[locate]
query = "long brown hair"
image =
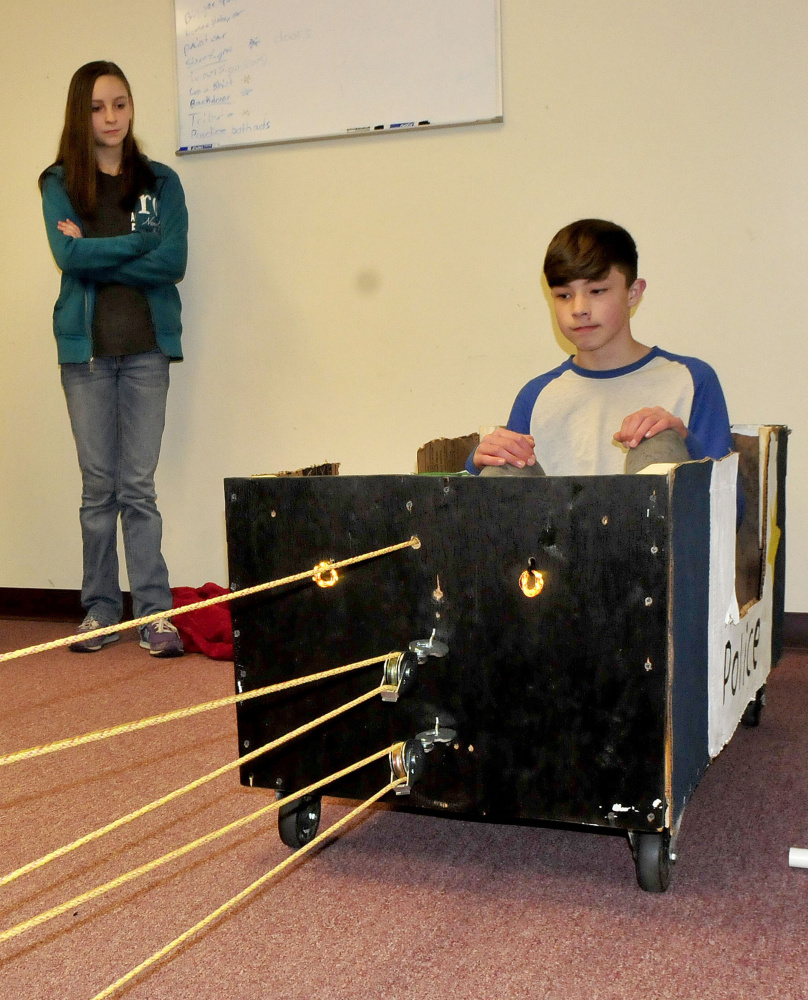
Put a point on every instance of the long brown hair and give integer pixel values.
(76, 153)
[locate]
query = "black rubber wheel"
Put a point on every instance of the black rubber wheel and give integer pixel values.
(653, 861)
(751, 714)
(298, 822)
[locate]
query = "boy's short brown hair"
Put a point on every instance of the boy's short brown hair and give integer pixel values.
(589, 249)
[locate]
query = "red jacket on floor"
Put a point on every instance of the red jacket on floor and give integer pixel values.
(207, 630)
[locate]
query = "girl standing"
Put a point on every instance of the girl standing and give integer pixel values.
(118, 229)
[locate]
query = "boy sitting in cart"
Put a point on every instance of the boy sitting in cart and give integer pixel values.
(616, 405)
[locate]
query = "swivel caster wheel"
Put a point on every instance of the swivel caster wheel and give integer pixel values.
(298, 821)
(751, 714)
(653, 860)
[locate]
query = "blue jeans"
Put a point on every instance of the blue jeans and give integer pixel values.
(117, 408)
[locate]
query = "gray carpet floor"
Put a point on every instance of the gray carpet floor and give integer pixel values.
(399, 906)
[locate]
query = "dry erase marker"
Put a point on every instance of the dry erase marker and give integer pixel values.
(403, 125)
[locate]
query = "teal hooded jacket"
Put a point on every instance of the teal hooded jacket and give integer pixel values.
(151, 257)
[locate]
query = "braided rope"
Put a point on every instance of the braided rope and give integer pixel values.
(220, 911)
(198, 782)
(181, 713)
(149, 866)
(310, 574)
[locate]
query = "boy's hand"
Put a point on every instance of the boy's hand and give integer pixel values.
(504, 447)
(647, 422)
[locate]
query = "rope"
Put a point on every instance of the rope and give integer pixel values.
(198, 782)
(181, 713)
(309, 574)
(153, 959)
(179, 852)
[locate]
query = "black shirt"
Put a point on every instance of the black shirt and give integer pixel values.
(122, 321)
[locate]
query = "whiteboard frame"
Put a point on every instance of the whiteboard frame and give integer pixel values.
(349, 133)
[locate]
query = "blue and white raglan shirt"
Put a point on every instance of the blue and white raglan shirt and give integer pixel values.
(572, 412)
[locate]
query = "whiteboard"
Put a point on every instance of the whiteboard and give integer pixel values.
(267, 71)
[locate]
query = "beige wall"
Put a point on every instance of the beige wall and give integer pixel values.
(348, 300)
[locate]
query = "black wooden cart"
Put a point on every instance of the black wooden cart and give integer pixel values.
(586, 703)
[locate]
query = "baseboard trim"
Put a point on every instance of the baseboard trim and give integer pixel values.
(46, 605)
(795, 630)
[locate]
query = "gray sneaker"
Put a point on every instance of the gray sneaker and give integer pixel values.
(90, 624)
(161, 638)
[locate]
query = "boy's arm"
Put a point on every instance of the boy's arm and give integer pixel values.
(707, 434)
(504, 447)
(647, 422)
(510, 445)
